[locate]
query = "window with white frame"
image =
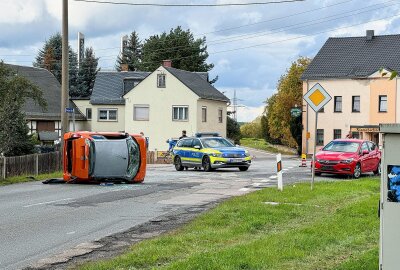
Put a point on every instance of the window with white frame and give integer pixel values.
(180, 113)
(32, 127)
(141, 112)
(220, 117)
(355, 104)
(161, 80)
(89, 113)
(204, 114)
(107, 115)
(57, 127)
(383, 103)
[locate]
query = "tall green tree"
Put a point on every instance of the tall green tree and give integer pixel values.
(50, 57)
(290, 93)
(87, 74)
(233, 130)
(132, 54)
(178, 45)
(14, 90)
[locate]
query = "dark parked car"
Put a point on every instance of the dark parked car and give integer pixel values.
(348, 157)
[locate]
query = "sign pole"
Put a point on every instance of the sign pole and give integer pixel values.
(314, 151)
(279, 171)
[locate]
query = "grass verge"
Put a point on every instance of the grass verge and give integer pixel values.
(262, 145)
(29, 178)
(335, 226)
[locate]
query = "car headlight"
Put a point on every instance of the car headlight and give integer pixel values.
(216, 154)
(347, 161)
(246, 153)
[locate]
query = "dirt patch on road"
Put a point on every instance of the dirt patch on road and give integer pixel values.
(116, 244)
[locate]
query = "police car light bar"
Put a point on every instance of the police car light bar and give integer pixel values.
(206, 134)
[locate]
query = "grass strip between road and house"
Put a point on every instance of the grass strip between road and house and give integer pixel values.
(261, 144)
(335, 226)
(29, 178)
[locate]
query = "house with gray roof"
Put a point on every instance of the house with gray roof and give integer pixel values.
(105, 108)
(161, 104)
(170, 100)
(46, 121)
(354, 71)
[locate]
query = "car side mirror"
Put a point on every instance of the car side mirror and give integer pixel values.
(197, 147)
(365, 152)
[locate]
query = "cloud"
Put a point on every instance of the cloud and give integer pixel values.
(248, 114)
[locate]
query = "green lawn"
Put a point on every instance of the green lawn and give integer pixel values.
(27, 178)
(262, 145)
(335, 227)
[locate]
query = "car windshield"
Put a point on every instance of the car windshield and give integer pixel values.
(342, 146)
(216, 142)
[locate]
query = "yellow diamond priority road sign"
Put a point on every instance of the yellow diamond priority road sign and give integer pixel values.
(317, 97)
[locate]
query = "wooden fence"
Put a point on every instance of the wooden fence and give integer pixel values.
(45, 163)
(30, 164)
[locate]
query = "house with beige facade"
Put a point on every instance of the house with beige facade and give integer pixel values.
(355, 72)
(161, 104)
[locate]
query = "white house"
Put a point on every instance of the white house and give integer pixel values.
(161, 104)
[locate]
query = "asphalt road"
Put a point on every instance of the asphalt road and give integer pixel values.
(40, 221)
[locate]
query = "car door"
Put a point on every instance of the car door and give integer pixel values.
(196, 152)
(375, 155)
(365, 158)
(186, 149)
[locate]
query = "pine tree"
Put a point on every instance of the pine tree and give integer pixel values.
(86, 75)
(50, 57)
(179, 46)
(132, 54)
(14, 90)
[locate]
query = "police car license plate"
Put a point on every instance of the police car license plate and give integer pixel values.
(234, 160)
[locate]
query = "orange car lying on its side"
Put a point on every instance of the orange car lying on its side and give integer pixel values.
(99, 156)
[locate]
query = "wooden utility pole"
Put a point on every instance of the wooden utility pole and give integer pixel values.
(64, 72)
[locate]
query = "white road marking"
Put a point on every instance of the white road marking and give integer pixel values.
(265, 180)
(244, 189)
(71, 232)
(273, 177)
(257, 184)
(290, 167)
(35, 204)
(285, 169)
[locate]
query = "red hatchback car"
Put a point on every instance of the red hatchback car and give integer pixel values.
(349, 157)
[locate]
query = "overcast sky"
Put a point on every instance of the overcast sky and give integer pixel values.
(251, 46)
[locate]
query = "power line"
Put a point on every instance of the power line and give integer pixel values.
(283, 40)
(272, 31)
(236, 27)
(190, 5)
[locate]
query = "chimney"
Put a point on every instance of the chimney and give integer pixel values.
(124, 67)
(167, 63)
(370, 34)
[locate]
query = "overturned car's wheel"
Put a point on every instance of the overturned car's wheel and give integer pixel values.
(178, 164)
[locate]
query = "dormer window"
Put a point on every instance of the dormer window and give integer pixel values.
(161, 80)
